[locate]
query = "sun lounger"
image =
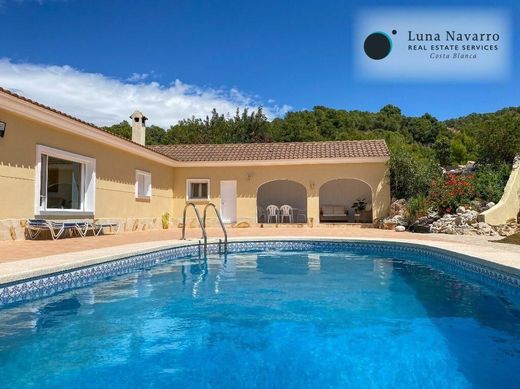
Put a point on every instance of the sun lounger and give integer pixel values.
(35, 227)
(56, 229)
(98, 226)
(80, 226)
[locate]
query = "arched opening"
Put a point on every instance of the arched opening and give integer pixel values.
(345, 200)
(272, 195)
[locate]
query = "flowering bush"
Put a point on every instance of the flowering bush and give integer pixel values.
(452, 191)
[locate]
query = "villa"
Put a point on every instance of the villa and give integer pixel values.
(55, 166)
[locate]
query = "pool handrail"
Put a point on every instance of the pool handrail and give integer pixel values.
(201, 224)
(220, 222)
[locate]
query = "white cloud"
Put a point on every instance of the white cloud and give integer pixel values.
(136, 77)
(103, 100)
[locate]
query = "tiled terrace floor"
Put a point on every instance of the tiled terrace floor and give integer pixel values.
(18, 250)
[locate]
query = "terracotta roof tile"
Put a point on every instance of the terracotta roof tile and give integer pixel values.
(274, 151)
(247, 151)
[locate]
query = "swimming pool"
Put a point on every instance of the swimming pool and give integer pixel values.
(307, 315)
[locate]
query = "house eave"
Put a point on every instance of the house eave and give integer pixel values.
(62, 123)
(284, 162)
(66, 124)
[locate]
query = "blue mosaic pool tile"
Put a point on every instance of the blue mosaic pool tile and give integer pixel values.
(452, 262)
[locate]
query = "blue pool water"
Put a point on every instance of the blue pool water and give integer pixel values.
(268, 320)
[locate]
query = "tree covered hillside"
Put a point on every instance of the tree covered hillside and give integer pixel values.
(487, 137)
(419, 145)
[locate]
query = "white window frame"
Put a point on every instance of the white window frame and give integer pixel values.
(190, 181)
(88, 181)
(148, 183)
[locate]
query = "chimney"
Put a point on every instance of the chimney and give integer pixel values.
(138, 127)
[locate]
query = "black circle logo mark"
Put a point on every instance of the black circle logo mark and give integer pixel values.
(378, 45)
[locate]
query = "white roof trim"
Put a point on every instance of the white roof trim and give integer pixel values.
(63, 123)
(281, 162)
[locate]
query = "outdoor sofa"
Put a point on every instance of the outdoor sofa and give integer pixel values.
(333, 213)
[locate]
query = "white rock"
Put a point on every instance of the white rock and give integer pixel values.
(450, 230)
(490, 205)
(390, 223)
(400, 229)
(397, 208)
(506, 229)
(468, 217)
(516, 162)
(460, 210)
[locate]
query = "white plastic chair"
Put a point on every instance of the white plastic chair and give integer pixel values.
(262, 214)
(301, 214)
(286, 211)
(272, 211)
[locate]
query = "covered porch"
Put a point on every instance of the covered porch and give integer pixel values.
(281, 201)
(345, 200)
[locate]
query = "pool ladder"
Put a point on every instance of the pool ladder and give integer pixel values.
(202, 224)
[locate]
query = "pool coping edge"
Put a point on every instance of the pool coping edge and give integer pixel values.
(23, 270)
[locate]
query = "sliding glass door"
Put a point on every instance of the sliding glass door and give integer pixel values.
(61, 184)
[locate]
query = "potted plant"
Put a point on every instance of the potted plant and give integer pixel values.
(359, 205)
(165, 220)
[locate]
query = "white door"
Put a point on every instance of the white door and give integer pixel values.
(228, 201)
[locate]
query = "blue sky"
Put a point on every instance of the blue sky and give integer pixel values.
(195, 54)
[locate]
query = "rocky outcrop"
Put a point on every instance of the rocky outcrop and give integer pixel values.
(423, 224)
(397, 208)
(390, 223)
(507, 229)
(396, 216)
(445, 225)
(466, 217)
(463, 223)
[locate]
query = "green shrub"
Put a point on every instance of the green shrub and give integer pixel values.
(459, 153)
(490, 181)
(411, 171)
(442, 147)
(499, 138)
(417, 207)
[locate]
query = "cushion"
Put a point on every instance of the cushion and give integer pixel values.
(339, 211)
(327, 210)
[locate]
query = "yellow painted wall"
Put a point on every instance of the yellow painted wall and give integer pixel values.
(115, 170)
(312, 177)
